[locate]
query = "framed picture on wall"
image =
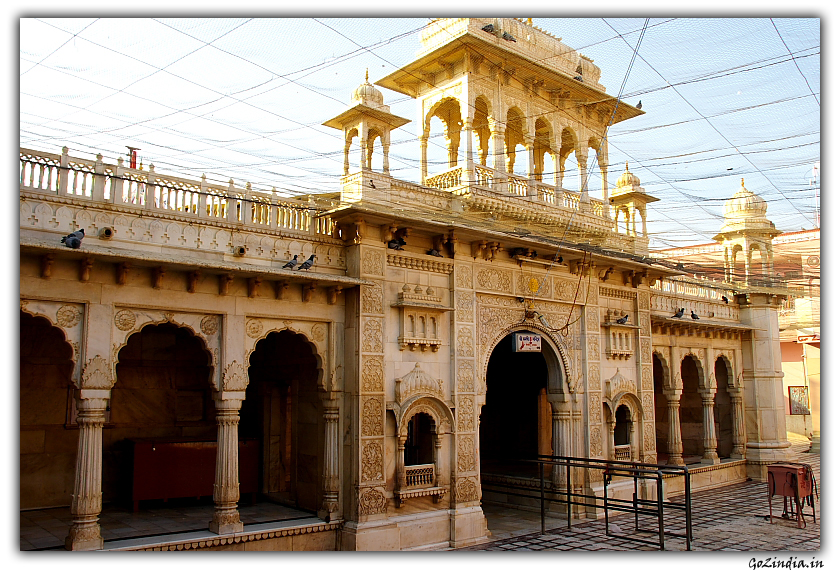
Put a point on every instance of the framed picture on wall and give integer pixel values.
(798, 400)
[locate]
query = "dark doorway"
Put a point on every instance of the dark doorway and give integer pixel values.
(723, 410)
(420, 443)
(283, 411)
(691, 411)
(48, 435)
(660, 409)
(516, 418)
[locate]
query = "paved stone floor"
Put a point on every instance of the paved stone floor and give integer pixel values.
(730, 518)
(46, 529)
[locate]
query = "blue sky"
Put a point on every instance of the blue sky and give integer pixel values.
(244, 98)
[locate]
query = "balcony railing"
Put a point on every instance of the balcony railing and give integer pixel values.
(146, 190)
(417, 476)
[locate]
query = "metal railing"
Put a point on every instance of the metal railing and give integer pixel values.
(568, 470)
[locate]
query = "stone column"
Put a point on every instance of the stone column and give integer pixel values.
(532, 180)
(386, 147)
(86, 500)
(634, 455)
(347, 143)
(709, 437)
(331, 458)
(675, 447)
(560, 419)
(424, 154)
(401, 462)
(739, 436)
(611, 439)
(438, 444)
(226, 488)
(497, 134)
(558, 177)
(581, 154)
(468, 176)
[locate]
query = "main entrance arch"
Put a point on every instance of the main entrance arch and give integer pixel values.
(516, 419)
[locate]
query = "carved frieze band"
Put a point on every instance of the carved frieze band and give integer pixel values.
(419, 264)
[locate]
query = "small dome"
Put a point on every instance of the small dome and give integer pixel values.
(367, 93)
(628, 178)
(745, 204)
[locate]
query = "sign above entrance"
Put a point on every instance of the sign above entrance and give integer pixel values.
(527, 342)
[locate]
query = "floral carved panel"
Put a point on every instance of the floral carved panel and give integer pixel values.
(372, 460)
(373, 373)
(372, 336)
(372, 412)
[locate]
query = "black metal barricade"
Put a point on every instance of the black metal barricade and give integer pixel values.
(644, 507)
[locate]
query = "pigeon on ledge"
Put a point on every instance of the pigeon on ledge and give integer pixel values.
(371, 184)
(434, 252)
(291, 263)
(679, 314)
(725, 299)
(489, 28)
(308, 263)
(623, 320)
(695, 316)
(639, 105)
(508, 37)
(74, 240)
(396, 243)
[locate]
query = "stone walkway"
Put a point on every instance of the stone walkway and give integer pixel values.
(730, 518)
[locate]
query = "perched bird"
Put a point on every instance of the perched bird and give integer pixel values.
(308, 263)
(396, 243)
(623, 320)
(695, 316)
(639, 105)
(371, 184)
(74, 240)
(679, 314)
(489, 28)
(508, 37)
(291, 263)
(725, 299)
(434, 252)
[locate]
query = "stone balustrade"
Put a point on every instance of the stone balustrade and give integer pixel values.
(146, 192)
(419, 475)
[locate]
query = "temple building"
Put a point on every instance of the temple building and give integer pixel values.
(445, 328)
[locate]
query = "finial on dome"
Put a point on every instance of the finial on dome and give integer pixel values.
(742, 184)
(627, 166)
(366, 75)
(530, 21)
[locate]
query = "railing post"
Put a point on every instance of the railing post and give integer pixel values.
(63, 171)
(660, 505)
(201, 211)
(542, 496)
(568, 494)
(248, 206)
(606, 502)
(688, 533)
(151, 192)
(230, 208)
(117, 182)
(97, 193)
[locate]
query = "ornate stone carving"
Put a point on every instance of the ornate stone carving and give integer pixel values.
(463, 276)
(372, 416)
(647, 377)
(595, 407)
(319, 332)
(592, 319)
(466, 490)
(253, 328)
(595, 442)
(464, 306)
(373, 373)
(125, 320)
(644, 301)
(644, 324)
(465, 413)
(372, 455)
(593, 344)
(466, 376)
(465, 342)
(647, 406)
(646, 354)
(466, 453)
(209, 325)
(68, 316)
(494, 279)
(372, 501)
(372, 298)
(97, 374)
(650, 436)
(618, 384)
(419, 264)
(594, 377)
(417, 382)
(372, 336)
(564, 289)
(235, 378)
(372, 263)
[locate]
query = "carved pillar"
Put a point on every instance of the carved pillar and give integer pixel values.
(497, 134)
(675, 447)
(86, 500)
(348, 141)
(226, 488)
(363, 144)
(634, 455)
(709, 437)
(424, 153)
(581, 154)
(611, 439)
(532, 179)
(386, 147)
(558, 177)
(438, 444)
(401, 462)
(739, 434)
(331, 458)
(560, 419)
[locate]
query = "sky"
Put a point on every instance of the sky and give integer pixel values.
(725, 99)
